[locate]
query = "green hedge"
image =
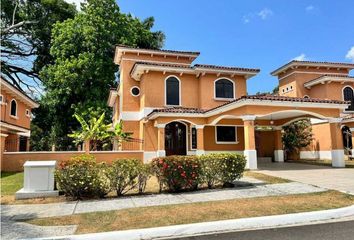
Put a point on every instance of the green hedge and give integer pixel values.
(82, 177)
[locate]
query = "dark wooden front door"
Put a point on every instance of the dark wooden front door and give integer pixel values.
(175, 139)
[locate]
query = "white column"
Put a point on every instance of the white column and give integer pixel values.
(337, 150)
(160, 140)
(200, 140)
(250, 143)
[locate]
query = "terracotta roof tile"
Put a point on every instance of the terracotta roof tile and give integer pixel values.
(226, 68)
(330, 75)
(159, 50)
(253, 97)
(315, 63)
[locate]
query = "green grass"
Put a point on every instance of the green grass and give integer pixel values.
(11, 182)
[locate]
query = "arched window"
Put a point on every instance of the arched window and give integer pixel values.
(172, 89)
(306, 96)
(224, 88)
(348, 95)
(13, 109)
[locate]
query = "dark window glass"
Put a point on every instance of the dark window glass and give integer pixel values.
(194, 138)
(172, 91)
(135, 91)
(226, 134)
(13, 108)
(349, 96)
(224, 89)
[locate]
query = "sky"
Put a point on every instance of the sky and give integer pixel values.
(254, 33)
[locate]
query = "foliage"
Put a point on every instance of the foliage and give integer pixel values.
(144, 175)
(177, 173)
(232, 166)
(119, 135)
(124, 175)
(82, 177)
(210, 166)
(26, 38)
(95, 130)
(83, 69)
(297, 135)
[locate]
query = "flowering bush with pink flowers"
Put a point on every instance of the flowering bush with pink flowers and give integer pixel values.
(177, 173)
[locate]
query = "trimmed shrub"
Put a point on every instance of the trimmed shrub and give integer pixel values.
(221, 168)
(177, 173)
(82, 177)
(124, 175)
(143, 177)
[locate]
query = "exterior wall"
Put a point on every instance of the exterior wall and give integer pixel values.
(265, 143)
(333, 90)
(21, 120)
(298, 76)
(13, 162)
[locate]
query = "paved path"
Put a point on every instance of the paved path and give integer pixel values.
(341, 179)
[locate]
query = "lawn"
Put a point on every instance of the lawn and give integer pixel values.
(11, 182)
(198, 212)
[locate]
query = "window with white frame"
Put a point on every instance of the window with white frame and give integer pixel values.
(226, 134)
(28, 113)
(224, 88)
(348, 95)
(193, 138)
(13, 108)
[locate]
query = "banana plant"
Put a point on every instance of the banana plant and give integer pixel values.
(119, 135)
(92, 131)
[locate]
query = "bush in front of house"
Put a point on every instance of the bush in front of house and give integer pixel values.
(177, 173)
(221, 168)
(127, 174)
(82, 177)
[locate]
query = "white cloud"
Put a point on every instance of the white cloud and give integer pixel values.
(265, 13)
(309, 8)
(350, 54)
(76, 2)
(301, 57)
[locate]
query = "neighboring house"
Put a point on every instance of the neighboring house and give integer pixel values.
(321, 80)
(16, 109)
(178, 108)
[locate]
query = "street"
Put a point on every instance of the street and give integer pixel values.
(325, 231)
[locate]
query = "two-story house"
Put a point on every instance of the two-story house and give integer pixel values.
(321, 80)
(180, 108)
(15, 107)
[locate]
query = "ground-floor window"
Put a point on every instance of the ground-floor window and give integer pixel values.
(193, 138)
(226, 134)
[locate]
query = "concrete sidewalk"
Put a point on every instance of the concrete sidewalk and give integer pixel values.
(30, 211)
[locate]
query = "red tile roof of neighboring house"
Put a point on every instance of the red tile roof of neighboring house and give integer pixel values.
(312, 63)
(159, 50)
(249, 97)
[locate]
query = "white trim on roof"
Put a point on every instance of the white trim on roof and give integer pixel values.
(323, 79)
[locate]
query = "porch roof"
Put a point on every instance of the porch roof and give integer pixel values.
(269, 100)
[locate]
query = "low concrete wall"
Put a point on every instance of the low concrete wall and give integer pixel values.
(13, 161)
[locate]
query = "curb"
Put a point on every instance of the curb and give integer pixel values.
(185, 230)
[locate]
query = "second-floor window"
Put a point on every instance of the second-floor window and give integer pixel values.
(348, 95)
(224, 88)
(13, 109)
(172, 88)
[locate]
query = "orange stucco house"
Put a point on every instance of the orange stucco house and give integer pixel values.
(181, 108)
(15, 107)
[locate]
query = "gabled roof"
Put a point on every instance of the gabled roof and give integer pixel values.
(266, 100)
(140, 67)
(328, 77)
(19, 92)
(120, 49)
(294, 63)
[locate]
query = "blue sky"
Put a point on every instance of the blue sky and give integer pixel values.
(254, 33)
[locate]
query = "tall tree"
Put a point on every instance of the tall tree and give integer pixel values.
(83, 68)
(25, 38)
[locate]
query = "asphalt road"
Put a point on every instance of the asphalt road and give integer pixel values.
(325, 231)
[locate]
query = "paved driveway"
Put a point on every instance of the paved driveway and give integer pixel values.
(341, 179)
